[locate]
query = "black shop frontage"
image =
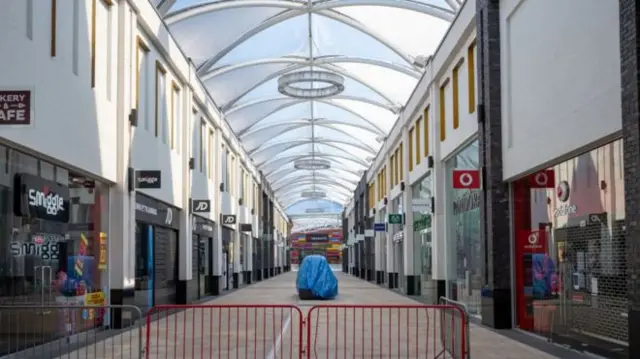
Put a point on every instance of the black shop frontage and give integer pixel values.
(203, 242)
(156, 240)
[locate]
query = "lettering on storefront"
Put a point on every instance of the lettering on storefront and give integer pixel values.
(146, 209)
(423, 222)
(15, 107)
(533, 242)
(565, 210)
(41, 198)
(466, 203)
(46, 251)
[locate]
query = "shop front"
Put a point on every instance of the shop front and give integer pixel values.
(156, 256)
(255, 269)
(570, 259)
(228, 235)
(245, 256)
(464, 245)
(203, 240)
(53, 228)
(421, 206)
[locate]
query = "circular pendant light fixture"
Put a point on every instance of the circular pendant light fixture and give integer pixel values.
(313, 194)
(291, 84)
(312, 164)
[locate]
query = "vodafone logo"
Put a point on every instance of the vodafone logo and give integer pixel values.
(533, 238)
(541, 179)
(563, 191)
(466, 179)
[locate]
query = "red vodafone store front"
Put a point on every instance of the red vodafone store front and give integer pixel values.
(570, 259)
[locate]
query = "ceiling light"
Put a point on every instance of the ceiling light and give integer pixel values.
(313, 194)
(289, 84)
(312, 164)
(314, 210)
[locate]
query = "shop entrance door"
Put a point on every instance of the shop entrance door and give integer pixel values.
(44, 283)
(534, 276)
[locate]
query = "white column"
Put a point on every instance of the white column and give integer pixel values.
(439, 234)
(217, 207)
(185, 269)
(378, 238)
(121, 240)
(389, 244)
(407, 242)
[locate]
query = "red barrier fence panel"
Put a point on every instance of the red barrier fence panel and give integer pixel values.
(224, 331)
(385, 331)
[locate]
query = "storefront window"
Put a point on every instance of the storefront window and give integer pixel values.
(421, 207)
(570, 250)
(464, 253)
(53, 230)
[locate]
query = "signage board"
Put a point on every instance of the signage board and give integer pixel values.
(148, 179)
(379, 227)
(422, 205)
(369, 233)
(245, 227)
(15, 107)
(200, 205)
(317, 237)
(229, 219)
(155, 212)
(39, 198)
(395, 218)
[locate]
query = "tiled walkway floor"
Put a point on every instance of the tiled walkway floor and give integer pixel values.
(265, 320)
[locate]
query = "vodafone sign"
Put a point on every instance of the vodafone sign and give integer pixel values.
(543, 179)
(469, 179)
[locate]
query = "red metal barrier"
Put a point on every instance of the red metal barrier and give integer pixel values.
(385, 331)
(224, 331)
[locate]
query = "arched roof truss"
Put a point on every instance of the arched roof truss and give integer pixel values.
(378, 50)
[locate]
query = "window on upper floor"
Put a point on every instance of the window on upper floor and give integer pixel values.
(401, 164)
(211, 155)
(411, 132)
(242, 183)
(101, 44)
(455, 93)
(443, 110)
(142, 83)
(203, 146)
(174, 122)
(418, 141)
(160, 126)
(471, 76)
(224, 167)
(232, 176)
(425, 133)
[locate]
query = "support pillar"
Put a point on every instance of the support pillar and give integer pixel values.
(630, 76)
(494, 208)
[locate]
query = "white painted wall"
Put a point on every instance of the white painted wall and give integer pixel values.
(71, 121)
(561, 81)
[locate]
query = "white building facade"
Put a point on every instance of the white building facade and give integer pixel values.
(118, 176)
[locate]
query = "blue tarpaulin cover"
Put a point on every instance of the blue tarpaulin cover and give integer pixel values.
(315, 275)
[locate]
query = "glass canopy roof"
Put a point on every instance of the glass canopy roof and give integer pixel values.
(374, 51)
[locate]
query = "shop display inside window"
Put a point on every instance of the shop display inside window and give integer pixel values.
(570, 250)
